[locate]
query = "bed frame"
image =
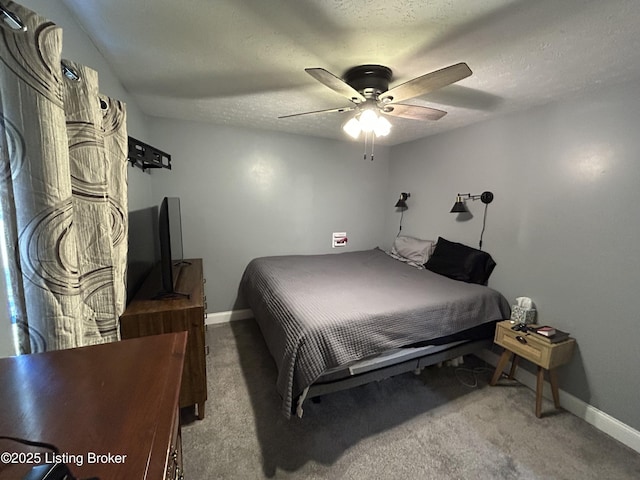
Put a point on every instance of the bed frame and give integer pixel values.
(416, 364)
(307, 356)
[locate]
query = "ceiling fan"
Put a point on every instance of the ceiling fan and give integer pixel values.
(367, 87)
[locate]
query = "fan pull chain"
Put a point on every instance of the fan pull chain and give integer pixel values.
(366, 142)
(373, 144)
(366, 137)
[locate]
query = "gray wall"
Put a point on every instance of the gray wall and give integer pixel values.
(249, 193)
(563, 227)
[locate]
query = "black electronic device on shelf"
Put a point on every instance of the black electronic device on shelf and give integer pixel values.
(155, 248)
(171, 251)
(143, 247)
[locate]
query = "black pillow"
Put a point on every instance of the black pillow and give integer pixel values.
(460, 262)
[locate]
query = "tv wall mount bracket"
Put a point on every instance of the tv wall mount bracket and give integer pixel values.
(146, 157)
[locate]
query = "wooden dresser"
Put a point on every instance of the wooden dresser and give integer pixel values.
(110, 409)
(148, 316)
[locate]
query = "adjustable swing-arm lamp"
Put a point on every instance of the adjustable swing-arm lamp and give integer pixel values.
(402, 201)
(460, 207)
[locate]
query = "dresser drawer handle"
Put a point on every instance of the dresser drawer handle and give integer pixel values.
(521, 339)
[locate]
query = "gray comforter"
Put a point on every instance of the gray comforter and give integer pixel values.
(320, 311)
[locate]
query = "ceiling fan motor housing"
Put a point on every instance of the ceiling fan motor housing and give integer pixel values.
(367, 87)
(370, 80)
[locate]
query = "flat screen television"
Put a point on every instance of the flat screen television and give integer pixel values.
(144, 248)
(171, 252)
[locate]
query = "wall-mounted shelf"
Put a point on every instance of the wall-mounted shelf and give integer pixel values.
(145, 156)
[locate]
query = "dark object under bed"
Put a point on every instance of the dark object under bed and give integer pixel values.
(325, 317)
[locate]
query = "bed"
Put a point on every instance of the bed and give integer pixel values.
(338, 320)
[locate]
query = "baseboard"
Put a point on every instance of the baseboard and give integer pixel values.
(229, 316)
(590, 414)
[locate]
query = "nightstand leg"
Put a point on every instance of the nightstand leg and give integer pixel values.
(514, 365)
(501, 364)
(539, 386)
(553, 379)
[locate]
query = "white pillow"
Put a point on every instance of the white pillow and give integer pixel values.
(413, 249)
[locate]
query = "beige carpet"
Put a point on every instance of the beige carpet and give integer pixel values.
(431, 426)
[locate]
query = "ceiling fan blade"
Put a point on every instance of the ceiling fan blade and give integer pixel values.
(426, 83)
(413, 112)
(336, 84)
(330, 110)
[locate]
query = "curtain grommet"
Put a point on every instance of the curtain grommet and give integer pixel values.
(12, 20)
(69, 72)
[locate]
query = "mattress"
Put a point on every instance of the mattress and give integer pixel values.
(320, 312)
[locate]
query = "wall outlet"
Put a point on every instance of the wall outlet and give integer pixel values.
(339, 239)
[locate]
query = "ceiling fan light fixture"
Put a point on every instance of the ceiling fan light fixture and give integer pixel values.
(352, 128)
(382, 127)
(368, 120)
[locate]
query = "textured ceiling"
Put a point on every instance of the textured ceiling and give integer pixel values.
(241, 62)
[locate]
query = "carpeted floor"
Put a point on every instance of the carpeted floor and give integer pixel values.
(431, 426)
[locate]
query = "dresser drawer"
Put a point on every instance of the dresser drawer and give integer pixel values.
(174, 462)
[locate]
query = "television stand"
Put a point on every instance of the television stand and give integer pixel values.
(171, 296)
(148, 315)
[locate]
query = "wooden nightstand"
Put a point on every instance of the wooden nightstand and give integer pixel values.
(536, 349)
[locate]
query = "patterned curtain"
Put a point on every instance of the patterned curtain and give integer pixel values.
(63, 188)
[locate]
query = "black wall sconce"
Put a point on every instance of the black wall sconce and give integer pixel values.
(402, 201)
(402, 205)
(461, 207)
